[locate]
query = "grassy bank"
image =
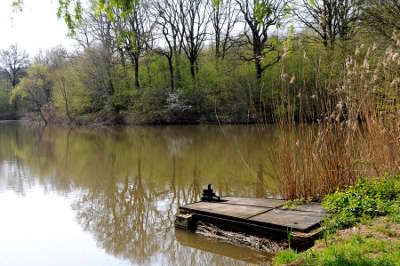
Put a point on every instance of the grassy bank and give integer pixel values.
(374, 243)
(363, 227)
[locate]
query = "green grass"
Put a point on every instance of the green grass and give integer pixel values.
(358, 250)
(287, 256)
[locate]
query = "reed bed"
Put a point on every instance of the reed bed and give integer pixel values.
(358, 135)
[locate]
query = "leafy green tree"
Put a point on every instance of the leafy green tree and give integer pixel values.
(5, 107)
(35, 90)
(71, 10)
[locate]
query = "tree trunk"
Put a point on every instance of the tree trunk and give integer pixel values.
(257, 52)
(259, 71)
(178, 76)
(193, 70)
(217, 45)
(67, 110)
(109, 80)
(136, 63)
(171, 73)
(42, 116)
(16, 105)
(14, 84)
(148, 69)
(110, 87)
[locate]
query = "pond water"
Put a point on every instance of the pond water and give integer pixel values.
(109, 196)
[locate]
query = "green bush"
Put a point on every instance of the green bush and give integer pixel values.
(367, 199)
(4, 101)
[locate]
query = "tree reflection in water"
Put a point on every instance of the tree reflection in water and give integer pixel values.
(128, 183)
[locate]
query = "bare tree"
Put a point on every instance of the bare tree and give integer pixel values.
(14, 62)
(329, 19)
(134, 32)
(82, 32)
(102, 31)
(260, 16)
(62, 87)
(97, 31)
(224, 15)
(168, 20)
(381, 16)
(195, 21)
(53, 58)
(57, 62)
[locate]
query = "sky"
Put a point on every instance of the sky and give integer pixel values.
(35, 28)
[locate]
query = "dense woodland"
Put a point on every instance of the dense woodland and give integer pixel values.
(191, 61)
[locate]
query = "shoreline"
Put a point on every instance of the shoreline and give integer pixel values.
(86, 123)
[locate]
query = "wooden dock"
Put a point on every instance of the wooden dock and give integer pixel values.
(260, 217)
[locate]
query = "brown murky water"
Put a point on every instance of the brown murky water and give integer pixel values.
(109, 196)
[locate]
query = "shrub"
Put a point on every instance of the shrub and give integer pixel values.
(366, 199)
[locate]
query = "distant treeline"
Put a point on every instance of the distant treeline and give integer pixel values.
(191, 61)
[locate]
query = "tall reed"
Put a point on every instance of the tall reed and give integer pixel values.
(357, 136)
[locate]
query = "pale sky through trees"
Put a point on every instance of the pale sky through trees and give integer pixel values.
(35, 28)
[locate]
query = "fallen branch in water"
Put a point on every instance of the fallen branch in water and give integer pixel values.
(262, 244)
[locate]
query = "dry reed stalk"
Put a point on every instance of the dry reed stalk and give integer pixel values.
(359, 137)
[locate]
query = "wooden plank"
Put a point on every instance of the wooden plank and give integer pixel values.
(264, 212)
(267, 203)
(298, 220)
(236, 211)
(315, 208)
